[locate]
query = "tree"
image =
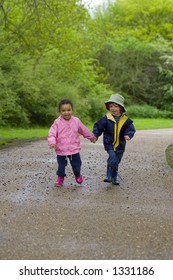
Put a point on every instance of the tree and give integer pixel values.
(51, 41)
(145, 20)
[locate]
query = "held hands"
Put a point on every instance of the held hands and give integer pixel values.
(126, 137)
(94, 139)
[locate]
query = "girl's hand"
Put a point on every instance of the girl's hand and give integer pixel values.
(126, 137)
(52, 146)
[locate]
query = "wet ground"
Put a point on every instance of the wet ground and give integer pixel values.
(96, 220)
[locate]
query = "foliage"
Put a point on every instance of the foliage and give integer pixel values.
(137, 51)
(44, 57)
(144, 20)
(30, 95)
(139, 69)
(41, 25)
(166, 81)
(147, 111)
(54, 49)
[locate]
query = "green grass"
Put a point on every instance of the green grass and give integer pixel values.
(9, 136)
(141, 124)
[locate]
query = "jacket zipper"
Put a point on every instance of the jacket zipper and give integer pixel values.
(116, 133)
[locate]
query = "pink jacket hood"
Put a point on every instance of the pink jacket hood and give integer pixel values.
(65, 135)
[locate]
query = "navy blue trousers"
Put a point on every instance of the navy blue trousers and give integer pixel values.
(75, 162)
(114, 160)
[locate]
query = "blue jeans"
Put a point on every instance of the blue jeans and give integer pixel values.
(114, 160)
(75, 162)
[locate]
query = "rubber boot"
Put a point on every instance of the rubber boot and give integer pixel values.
(115, 180)
(108, 176)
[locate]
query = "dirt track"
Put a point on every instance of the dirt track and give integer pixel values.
(96, 220)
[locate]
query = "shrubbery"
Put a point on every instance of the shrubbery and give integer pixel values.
(147, 111)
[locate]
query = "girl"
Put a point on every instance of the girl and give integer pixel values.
(117, 128)
(63, 136)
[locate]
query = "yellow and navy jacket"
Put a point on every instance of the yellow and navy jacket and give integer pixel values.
(113, 133)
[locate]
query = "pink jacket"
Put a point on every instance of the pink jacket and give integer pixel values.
(65, 135)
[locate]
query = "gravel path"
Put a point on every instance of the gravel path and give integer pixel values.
(96, 220)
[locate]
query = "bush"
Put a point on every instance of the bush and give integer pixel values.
(147, 111)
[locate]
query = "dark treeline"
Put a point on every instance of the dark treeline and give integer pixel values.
(55, 49)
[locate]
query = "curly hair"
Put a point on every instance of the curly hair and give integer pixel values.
(64, 101)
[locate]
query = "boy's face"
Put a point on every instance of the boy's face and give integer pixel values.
(66, 111)
(115, 109)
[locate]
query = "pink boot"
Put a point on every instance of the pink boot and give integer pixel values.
(59, 181)
(79, 179)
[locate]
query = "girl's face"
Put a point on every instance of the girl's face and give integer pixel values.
(115, 109)
(66, 111)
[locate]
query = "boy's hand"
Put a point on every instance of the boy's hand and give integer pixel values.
(126, 137)
(52, 146)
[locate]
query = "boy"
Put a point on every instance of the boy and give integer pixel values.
(117, 128)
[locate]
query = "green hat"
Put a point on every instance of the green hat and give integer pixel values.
(116, 98)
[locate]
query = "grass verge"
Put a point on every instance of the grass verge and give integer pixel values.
(15, 136)
(141, 124)
(169, 155)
